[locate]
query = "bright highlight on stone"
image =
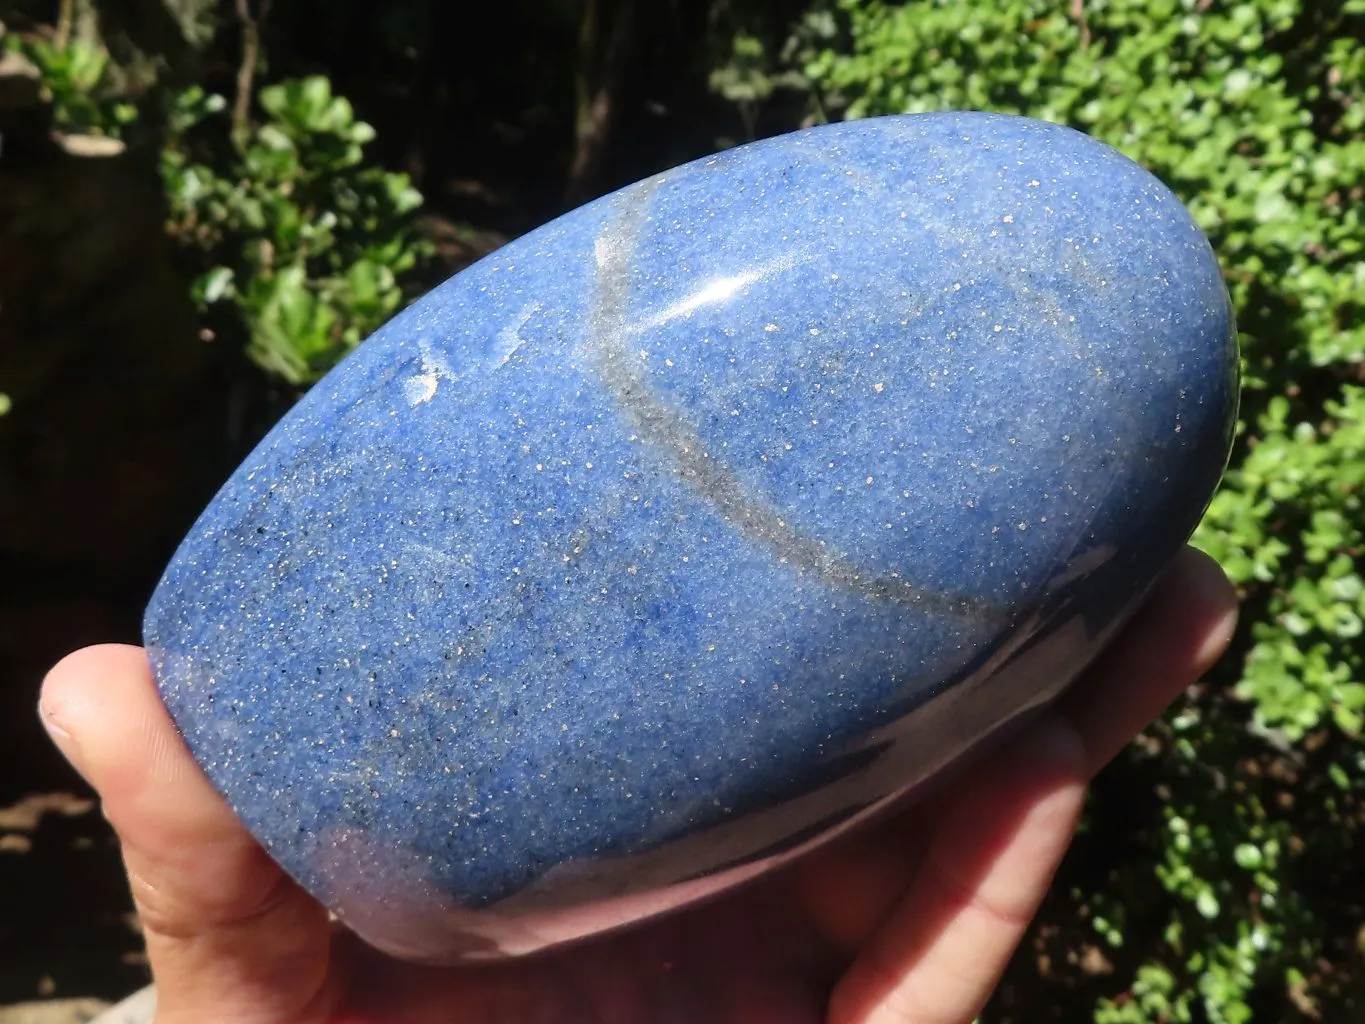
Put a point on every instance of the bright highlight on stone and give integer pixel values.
(697, 525)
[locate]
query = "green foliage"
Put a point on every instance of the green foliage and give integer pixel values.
(749, 74)
(761, 60)
(1253, 111)
(1291, 520)
(75, 76)
(305, 244)
(301, 247)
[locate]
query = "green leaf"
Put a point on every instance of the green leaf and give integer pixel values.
(216, 285)
(1207, 904)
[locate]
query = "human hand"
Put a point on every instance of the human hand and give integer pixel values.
(912, 921)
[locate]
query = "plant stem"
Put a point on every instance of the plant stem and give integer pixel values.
(1078, 13)
(601, 56)
(246, 71)
(66, 18)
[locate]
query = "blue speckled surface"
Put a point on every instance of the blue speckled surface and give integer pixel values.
(699, 521)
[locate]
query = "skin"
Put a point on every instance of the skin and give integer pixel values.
(912, 922)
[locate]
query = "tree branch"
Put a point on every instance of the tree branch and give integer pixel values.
(600, 65)
(1078, 12)
(66, 21)
(246, 71)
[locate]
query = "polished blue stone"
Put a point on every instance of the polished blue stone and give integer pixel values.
(700, 522)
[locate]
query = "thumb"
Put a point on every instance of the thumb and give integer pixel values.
(229, 936)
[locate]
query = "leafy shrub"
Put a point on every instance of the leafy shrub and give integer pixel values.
(306, 244)
(301, 247)
(75, 76)
(1253, 112)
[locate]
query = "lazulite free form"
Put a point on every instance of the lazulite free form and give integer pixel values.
(700, 524)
